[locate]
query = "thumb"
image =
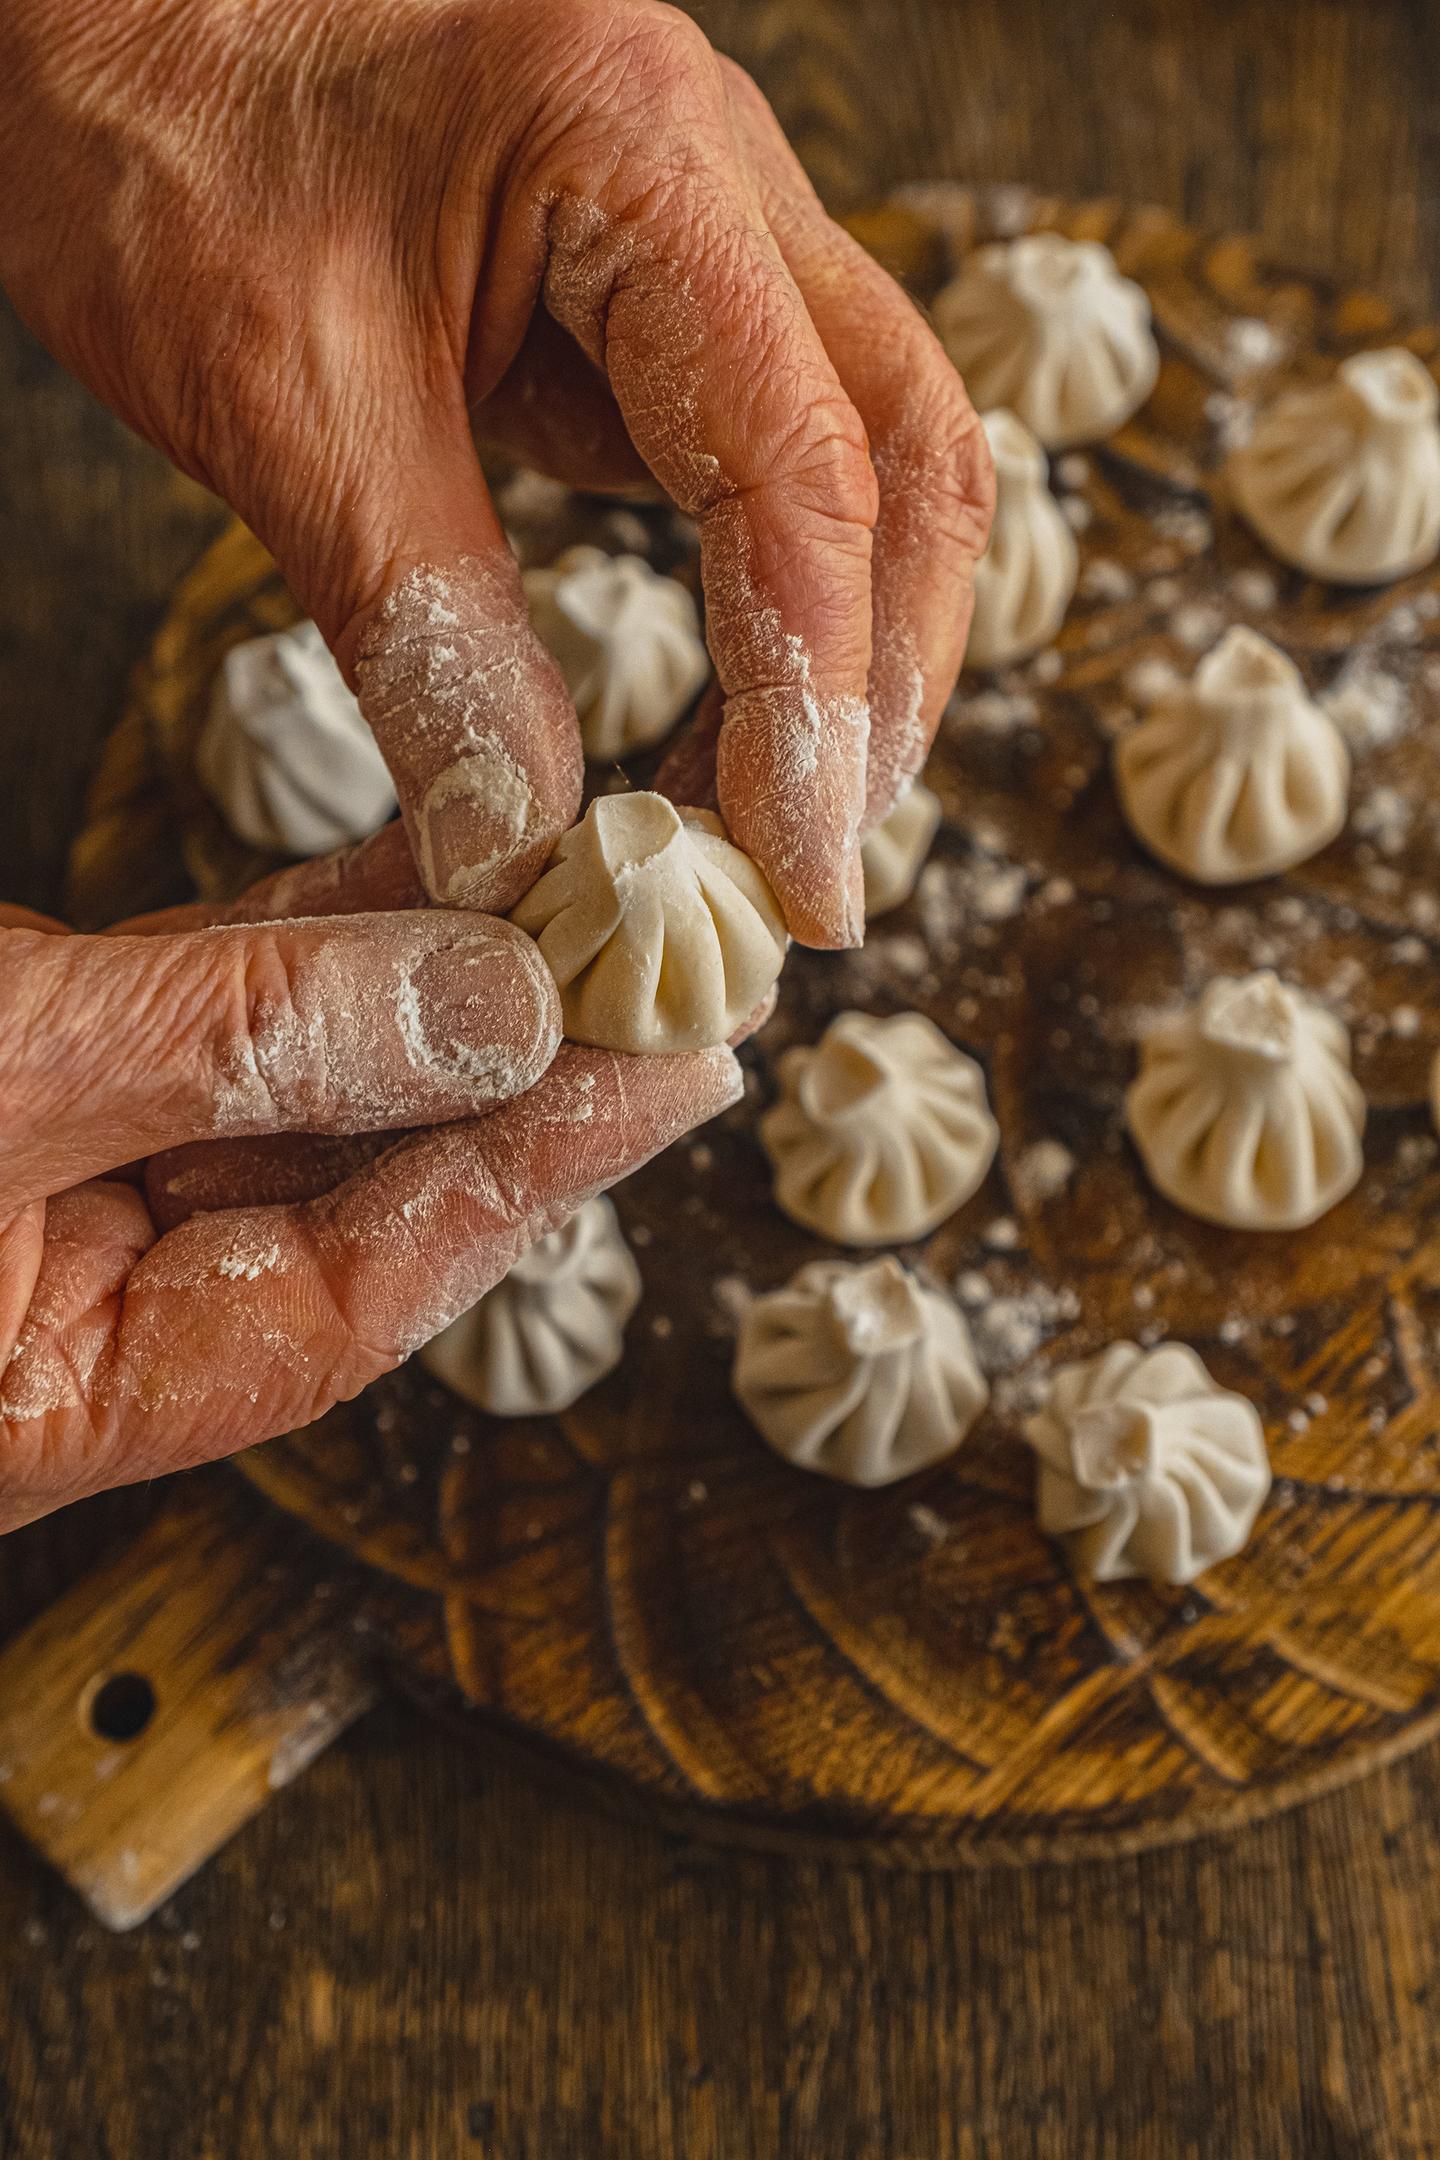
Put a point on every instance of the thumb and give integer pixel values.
(389, 539)
(116, 1047)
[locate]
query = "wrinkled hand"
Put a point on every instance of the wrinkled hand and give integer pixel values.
(293, 242)
(239, 1286)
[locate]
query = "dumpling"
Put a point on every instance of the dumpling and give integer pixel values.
(1343, 480)
(628, 643)
(1025, 580)
(893, 855)
(284, 752)
(1245, 1111)
(1048, 327)
(881, 1131)
(1238, 774)
(551, 1329)
(659, 933)
(1147, 1466)
(859, 1372)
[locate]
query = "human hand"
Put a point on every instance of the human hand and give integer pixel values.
(238, 1287)
(292, 243)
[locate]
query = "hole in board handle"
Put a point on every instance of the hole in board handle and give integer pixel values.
(119, 1707)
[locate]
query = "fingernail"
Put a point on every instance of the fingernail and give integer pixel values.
(481, 836)
(482, 1014)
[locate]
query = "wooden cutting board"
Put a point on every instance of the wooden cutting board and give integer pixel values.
(639, 1591)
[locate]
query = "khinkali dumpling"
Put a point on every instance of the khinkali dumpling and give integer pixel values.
(881, 1130)
(628, 643)
(893, 855)
(1245, 1111)
(552, 1328)
(284, 752)
(859, 1372)
(1147, 1466)
(1049, 328)
(659, 933)
(1343, 480)
(1237, 774)
(1025, 580)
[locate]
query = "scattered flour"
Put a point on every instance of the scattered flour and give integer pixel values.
(1370, 706)
(1042, 1172)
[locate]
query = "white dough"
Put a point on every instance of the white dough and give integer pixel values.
(1343, 480)
(628, 643)
(1237, 774)
(858, 1372)
(284, 752)
(1245, 1111)
(881, 1131)
(661, 935)
(551, 1329)
(1050, 329)
(1025, 580)
(1147, 1466)
(893, 855)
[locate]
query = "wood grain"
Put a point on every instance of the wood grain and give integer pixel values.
(398, 1955)
(158, 1706)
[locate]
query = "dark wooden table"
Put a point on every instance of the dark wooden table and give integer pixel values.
(419, 1952)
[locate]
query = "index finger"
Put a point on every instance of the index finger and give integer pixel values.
(671, 281)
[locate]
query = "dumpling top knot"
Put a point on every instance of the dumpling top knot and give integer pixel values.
(1049, 327)
(661, 935)
(1343, 479)
(1238, 774)
(285, 754)
(628, 643)
(1245, 1111)
(881, 1131)
(1147, 1466)
(859, 1372)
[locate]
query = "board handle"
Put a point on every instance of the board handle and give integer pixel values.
(156, 1706)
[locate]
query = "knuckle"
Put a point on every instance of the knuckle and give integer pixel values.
(830, 470)
(268, 1057)
(937, 456)
(673, 41)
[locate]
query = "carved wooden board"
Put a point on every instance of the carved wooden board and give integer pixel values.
(640, 1589)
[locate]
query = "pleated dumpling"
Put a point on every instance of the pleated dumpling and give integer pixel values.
(551, 1329)
(1049, 328)
(881, 1131)
(1245, 1111)
(893, 855)
(284, 753)
(1147, 1466)
(628, 643)
(858, 1372)
(1237, 774)
(1343, 480)
(661, 935)
(1025, 580)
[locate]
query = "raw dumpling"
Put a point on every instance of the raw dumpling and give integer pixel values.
(628, 643)
(660, 934)
(1049, 328)
(552, 1328)
(1147, 1466)
(881, 1130)
(1343, 480)
(284, 752)
(858, 1372)
(1238, 774)
(1025, 580)
(893, 855)
(1245, 1111)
